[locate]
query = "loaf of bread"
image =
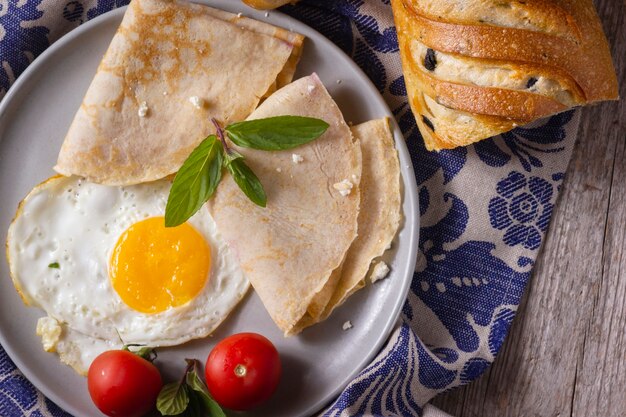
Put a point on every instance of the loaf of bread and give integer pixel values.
(477, 68)
(267, 4)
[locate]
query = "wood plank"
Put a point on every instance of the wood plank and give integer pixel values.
(601, 380)
(566, 353)
(601, 377)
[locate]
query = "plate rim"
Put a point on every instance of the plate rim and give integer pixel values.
(408, 182)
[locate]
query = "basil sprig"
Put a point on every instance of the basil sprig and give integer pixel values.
(188, 397)
(198, 177)
(276, 133)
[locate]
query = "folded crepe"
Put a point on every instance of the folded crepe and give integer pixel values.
(313, 244)
(378, 220)
(170, 67)
(289, 249)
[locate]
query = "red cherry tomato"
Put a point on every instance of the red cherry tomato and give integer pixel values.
(242, 371)
(122, 384)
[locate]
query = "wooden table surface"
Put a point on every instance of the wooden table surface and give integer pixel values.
(566, 352)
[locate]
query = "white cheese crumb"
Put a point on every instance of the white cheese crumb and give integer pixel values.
(344, 187)
(279, 170)
(296, 158)
(143, 109)
(239, 14)
(355, 178)
(197, 102)
(50, 331)
(347, 325)
(381, 270)
(267, 14)
(164, 93)
(338, 81)
(310, 88)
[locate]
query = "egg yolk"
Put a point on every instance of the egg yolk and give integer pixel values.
(154, 268)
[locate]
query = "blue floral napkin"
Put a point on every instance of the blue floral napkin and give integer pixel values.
(484, 211)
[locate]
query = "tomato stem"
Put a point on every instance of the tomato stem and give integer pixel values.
(240, 370)
(145, 352)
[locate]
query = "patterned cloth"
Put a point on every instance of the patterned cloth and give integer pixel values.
(484, 211)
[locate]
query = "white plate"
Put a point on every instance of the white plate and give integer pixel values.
(319, 363)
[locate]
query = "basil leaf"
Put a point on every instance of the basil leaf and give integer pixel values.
(54, 265)
(211, 406)
(194, 382)
(202, 393)
(195, 407)
(276, 133)
(173, 399)
(195, 182)
(247, 181)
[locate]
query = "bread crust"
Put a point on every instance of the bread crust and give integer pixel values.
(561, 40)
(267, 4)
(488, 101)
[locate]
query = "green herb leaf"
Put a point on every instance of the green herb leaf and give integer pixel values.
(195, 182)
(202, 393)
(173, 399)
(211, 406)
(194, 382)
(276, 133)
(195, 408)
(54, 265)
(247, 181)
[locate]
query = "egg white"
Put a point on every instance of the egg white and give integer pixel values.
(76, 224)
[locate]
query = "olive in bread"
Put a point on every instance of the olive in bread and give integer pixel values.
(477, 68)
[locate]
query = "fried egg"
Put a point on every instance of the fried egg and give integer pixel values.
(101, 263)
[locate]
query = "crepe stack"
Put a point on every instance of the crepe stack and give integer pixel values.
(333, 205)
(170, 67)
(312, 246)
